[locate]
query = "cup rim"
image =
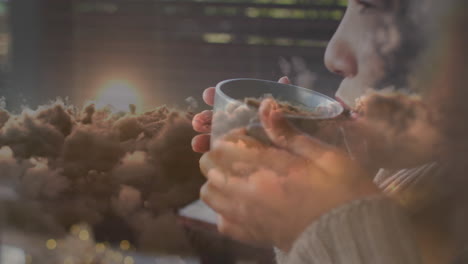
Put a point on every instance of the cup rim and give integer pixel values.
(220, 92)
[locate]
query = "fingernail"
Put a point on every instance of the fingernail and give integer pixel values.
(196, 121)
(193, 143)
(284, 79)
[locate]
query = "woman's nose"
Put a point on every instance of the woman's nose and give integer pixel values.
(340, 58)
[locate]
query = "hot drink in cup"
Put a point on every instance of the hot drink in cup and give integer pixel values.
(237, 102)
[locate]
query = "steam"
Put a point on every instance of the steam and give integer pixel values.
(296, 68)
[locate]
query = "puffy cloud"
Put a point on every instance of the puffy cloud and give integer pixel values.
(40, 181)
(172, 148)
(128, 201)
(399, 130)
(10, 170)
(90, 148)
(90, 165)
(135, 169)
(128, 127)
(161, 233)
(31, 136)
(58, 115)
(4, 116)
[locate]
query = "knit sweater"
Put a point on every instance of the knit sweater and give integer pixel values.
(373, 230)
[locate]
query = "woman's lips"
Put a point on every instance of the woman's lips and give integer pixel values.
(347, 108)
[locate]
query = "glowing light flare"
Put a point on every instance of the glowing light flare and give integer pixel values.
(51, 244)
(83, 235)
(119, 94)
(124, 245)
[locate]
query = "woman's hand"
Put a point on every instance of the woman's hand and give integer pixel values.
(268, 195)
(202, 122)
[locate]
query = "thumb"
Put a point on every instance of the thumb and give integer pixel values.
(284, 135)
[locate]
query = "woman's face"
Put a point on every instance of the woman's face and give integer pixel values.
(360, 49)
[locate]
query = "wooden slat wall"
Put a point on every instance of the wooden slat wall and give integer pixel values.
(163, 48)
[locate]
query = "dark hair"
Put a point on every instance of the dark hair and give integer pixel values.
(433, 36)
(449, 96)
(410, 21)
(444, 80)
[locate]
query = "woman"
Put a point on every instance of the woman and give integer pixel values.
(278, 203)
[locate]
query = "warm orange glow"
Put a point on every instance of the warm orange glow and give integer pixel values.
(119, 94)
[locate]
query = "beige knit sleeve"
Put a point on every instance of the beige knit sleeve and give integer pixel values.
(369, 231)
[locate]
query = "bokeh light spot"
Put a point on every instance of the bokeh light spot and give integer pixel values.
(51, 244)
(124, 245)
(83, 235)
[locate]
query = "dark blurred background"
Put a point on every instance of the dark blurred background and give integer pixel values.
(168, 50)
